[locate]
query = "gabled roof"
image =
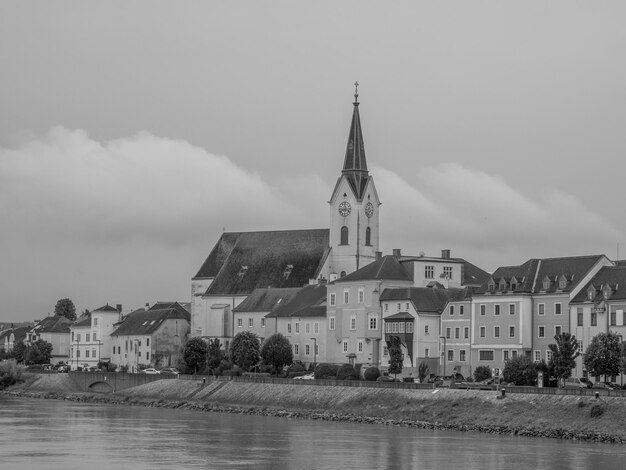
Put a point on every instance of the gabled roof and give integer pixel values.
(56, 324)
(385, 268)
(265, 300)
(244, 261)
(424, 299)
(106, 308)
(571, 270)
(83, 321)
(18, 334)
(613, 276)
(146, 322)
(309, 301)
(524, 274)
(179, 307)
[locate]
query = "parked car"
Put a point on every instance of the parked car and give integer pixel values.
(170, 370)
(150, 370)
(577, 382)
(310, 376)
(93, 369)
(605, 385)
(441, 380)
(63, 368)
(387, 378)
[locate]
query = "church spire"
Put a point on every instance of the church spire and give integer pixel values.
(355, 165)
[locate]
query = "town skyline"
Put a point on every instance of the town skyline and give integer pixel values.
(114, 185)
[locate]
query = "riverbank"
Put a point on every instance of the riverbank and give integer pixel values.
(554, 416)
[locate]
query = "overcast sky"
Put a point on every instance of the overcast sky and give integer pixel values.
(133, 133)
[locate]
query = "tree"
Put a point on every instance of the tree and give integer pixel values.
(39, 352)
(623, 359)
(276, 351)
(195, 354)
(564, 354)
(19, 351)
(603, 356)
(65, 308)
(482, 373)
(422, 372)
(396, 358)
(245, 350)
(215, 355)
(520, 370)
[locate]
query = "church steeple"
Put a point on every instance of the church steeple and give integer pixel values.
(355, 165)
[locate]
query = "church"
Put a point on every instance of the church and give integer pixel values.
(241, 262)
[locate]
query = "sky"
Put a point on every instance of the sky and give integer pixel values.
(132, 134)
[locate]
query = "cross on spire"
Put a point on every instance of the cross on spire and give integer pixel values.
(356, 92)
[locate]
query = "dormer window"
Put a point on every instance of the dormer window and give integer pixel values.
(502, 284)
(562, 282)
(287, 272)
(513, 283)
(546, 283)
(591, 292)
(606, 291)
(491, 285)
(242, 271)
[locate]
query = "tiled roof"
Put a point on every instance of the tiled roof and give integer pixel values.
(180, 308)
(385, 268)
(106, 308)
(309, 301)
(471, 274)
(265, 300)
(614, 276)
(18, 334)
(146, 322)
(83, 321)
(400, 316)
(56, 324)
(524, 274)
(355, 164)
(425, 299)
(244, 261)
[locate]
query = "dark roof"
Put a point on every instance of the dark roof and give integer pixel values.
(106, 308)
(309, 301)
(244, 261)
(385, 268)
(18, 333)
(425, 299)
(471, 274)
(146, 322)
(56, 324)
(180, 308)
(614, 276)
(400, 316)
(83, 320)
(265, 300)
(524, 274)
(621, 262)
(355, 164)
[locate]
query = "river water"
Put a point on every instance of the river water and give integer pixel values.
(51, 434)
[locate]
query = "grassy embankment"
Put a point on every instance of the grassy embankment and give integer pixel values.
(559, 416)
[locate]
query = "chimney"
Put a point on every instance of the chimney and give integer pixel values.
(119, 307)
(396, 252)
(445, 254)
(147, 306)
(379, 255)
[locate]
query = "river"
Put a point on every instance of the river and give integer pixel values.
(52, 434)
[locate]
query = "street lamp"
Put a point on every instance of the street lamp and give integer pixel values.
(314, 351)
(444, 354)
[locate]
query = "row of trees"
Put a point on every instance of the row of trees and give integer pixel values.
(245, 352)
(40, 352)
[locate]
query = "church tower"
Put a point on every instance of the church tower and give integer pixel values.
(354, 207)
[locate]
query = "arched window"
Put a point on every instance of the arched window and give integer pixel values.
(344, 235)
(368, 236)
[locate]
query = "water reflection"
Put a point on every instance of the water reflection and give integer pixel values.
(50, 434)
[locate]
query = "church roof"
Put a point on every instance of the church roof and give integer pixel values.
(355, 165)
(146, 322)
(243, 261)
(385, 268)
(265, 300)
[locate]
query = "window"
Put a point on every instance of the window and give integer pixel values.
(331, 323)
(250, 322)
(368, 237)
(95, 321)
(548, 356)
(296, 349)
(262, 322)
(513, 354)
(409, 327)
(485, 355)
(346, 296)
(289, 326)
(353, 322)
(307, 349)
(94, 337)
(511, 309)
(72, 336)
(385, 350)
(451, 310)
(482, 331)
(542, 309)
(426, 330)
(361, 295)
(613, 318)
(344, 235)
(399, 306)
(78, 353)
(316, 328)
(457, 333)
(386, 307)
(239, 322)
(426, 352)
(450, 355)
(557, 330)
(496, 331)
(359, 346)
(147, 356)
(317, 349)
(466, 332)
(447, 333)
(579, 314)
(307, 328)
(147, 341)
(511, 331)
(542, 331)
(429, 272)
(594, 319)
(461, 310)
(373, 323)
(557, 309)
(332, 299)
(345, 345)
(580, 346)
(462, 355)
(78, 337)
(394, 327)
(496, 309)
(537, 357)
(297, 327)
(447, 272)
(505, 355)
(406, 306)
(483, 309)
(401, 327)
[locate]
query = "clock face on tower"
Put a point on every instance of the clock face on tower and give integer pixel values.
(345, 208)
(369, 210)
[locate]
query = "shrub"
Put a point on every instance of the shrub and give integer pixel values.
(520, 370)
(326, 371)
(232, 373)
(371, 374)
(581, 404)
(10, 373)
(596, 411)
(124, 368)
(347, 372)
(295, 367)
(482, 373)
